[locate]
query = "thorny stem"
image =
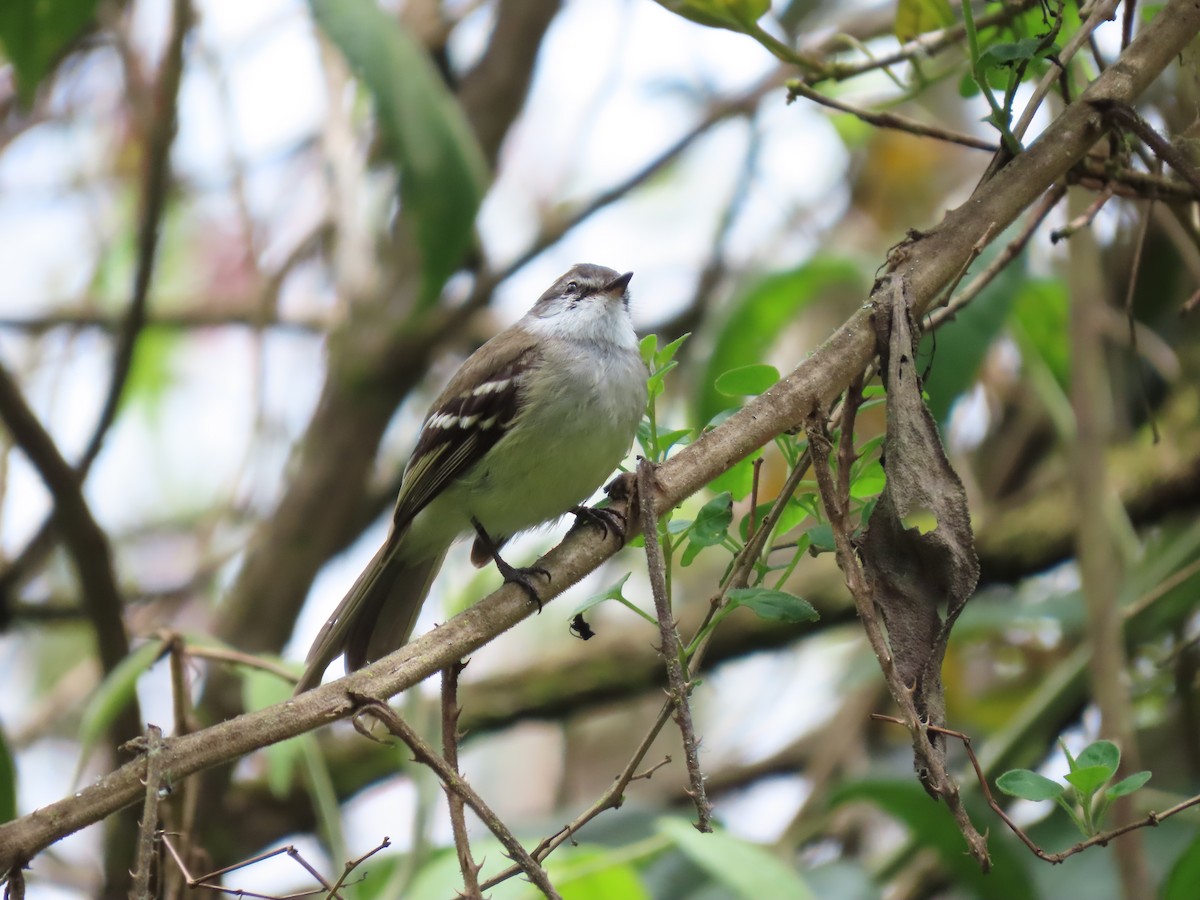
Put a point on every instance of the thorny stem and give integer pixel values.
(454, 782)
(458, 822)
(670, 649)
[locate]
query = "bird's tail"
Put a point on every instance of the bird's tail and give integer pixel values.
(378, 613)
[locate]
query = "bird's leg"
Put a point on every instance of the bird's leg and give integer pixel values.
(607, 519)
(512, 574)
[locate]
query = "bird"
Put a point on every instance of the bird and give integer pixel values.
(531, 424)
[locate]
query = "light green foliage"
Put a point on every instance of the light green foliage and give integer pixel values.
(1185, 874)
(1081, 797)
(736, 15)
(578, 872)
(443, 174)
(746, 380)
(747, 870)
(779, 606)
(760, 313)
(916, 17)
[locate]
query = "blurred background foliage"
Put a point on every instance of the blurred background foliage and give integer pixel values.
(243, 245)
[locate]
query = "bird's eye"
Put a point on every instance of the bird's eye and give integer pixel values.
(572, 287)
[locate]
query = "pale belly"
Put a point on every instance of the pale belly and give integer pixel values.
(558, 458)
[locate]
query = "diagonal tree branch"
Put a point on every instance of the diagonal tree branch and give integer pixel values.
(931, 260)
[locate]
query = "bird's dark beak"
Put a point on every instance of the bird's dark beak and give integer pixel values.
(618, 284)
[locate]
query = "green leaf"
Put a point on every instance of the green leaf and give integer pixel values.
(821, 537)
(594, 873)
(443, 173)
(746, 380)
(1181, 883)
(34, 34)
(1005, 54)
(613, 592)
(712, 522)
(667, 353)
(1127, 785)
(760, 314)
(748, 870)
(1028, 785)
(916, 17)
(152, 372)
(1039, 324)
(647, 347)
(735, 15)
(1100, 753)
(8, 782)
(261, 689)
(868, 482)
(773, 605)
(116, 691)
(738, 480)
(1087, 779)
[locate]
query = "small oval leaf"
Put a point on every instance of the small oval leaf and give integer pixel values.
(746, 380)
(1088, 779)
(713, 520)
(1127, 785)
(1028, 785)
(775, 606)
(1100, 753)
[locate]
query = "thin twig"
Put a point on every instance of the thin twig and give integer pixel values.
(1101, 12)
(152, 744)
(610, 799)
(458, 821)
(1084, 219)
(453, 781)
(797, 88)
(206, 881)
(354, 864)
(670, 649)
(245, 660)
(1122, 114)
(1010, 252)
(1135, 267)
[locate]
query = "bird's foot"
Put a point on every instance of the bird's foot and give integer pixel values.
(519, 575)
(607, 519)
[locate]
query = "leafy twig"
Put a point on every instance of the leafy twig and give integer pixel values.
(1151, 819)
